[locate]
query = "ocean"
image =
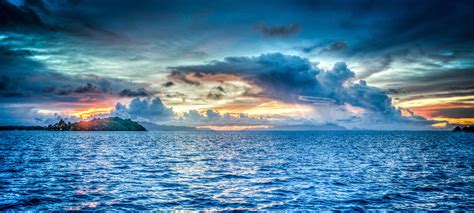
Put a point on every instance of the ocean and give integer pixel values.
(247, 170)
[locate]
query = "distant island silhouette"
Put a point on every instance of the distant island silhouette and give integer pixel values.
(96, 124)
(156, 127)
(120, 124)
(469, 129)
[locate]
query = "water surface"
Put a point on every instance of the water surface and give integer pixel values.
(42, 170)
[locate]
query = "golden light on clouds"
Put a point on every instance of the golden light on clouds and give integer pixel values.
(87, 113)
(434, 101)
(432, 109)
(459, 121)
(440, 125)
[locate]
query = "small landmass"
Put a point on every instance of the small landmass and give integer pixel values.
(469, 129)
(96, 124)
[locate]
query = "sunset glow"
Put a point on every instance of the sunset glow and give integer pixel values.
(237, 105)
(206, 64)
(88, 113)
(233, 128)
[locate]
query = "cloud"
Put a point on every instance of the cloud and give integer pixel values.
(308, 49)
(152, 110)
(140, 92)
(36, 4)
(316, 100)
(168, 84)
(278, 30)
(334, 47)
(216, 93)
(375, 65)
(403, 25)
(25, 80)
(34, 16)
(13, 17)
(88, 88)
(468, 92)
(454, 113)
(294, 79)
(212, 117)
(443, 79)
(179, 76)
(280, 76)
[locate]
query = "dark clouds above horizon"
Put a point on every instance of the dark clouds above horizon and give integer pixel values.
(88, 51)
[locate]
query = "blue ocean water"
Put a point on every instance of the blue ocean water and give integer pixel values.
(42, 170)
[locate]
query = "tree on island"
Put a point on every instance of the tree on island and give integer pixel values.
(60, 126)
(464, 129)
(98, 124)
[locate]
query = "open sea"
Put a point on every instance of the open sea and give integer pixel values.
(41, 170)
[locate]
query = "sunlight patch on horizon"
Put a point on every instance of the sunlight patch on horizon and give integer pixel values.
(234, 127)
(458, 121)
(88, 113)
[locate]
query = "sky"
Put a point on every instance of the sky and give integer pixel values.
(362, 64)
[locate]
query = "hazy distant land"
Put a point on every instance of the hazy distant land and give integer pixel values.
(96, 124)
(120, 124)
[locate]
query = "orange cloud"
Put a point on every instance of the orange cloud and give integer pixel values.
(431, 112)
(440, 125)
(459, 121)
(87, 113)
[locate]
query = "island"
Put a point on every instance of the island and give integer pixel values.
(469, 129)
(96, 124)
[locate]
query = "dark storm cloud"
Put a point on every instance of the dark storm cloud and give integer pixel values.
(20, 53)
(37, 5)
(380, 26)
(335, 47)
(426, 22)
(179, 76)
(383, 33)
(140, 92)
(216, 93)
(13, 17)
(35, 17)
(379, 35)
(88, 88)
(325, 47)
(448, 80)
(440, 95)
(25, 80)
(375, 25)
(278, 30)
(288, 78)
(168, 84)
(280, 75)
(454, 113)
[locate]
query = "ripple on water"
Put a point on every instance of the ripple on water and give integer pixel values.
(236, 170)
